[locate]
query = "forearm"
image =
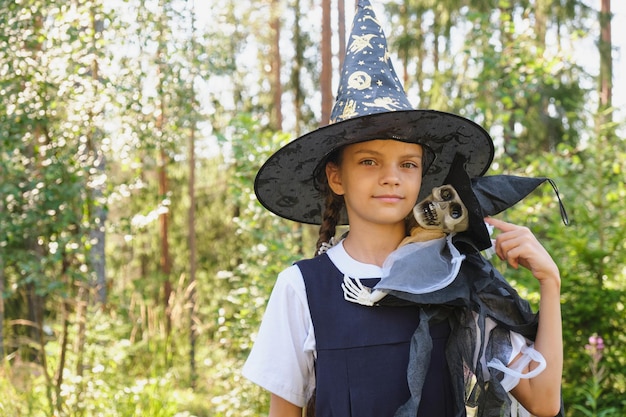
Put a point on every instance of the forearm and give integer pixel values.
(541, 395)
(279, 407)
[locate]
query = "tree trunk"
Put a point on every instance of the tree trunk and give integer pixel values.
(541, 10)
(164, 260)
(82, 304)
(191, 292)
(604, 132)
(326, 80)
(65, 314)
(606, 61)
(341, 28)
(98, 214)
(192, 258)
(276, 65)
(296, 72)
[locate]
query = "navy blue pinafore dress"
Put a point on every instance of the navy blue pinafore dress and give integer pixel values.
(362, 352)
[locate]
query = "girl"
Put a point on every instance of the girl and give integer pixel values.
(368, 169)
(379, 181)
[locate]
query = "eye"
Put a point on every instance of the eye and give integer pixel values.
(456, 211)
(446, 194)
(368, 162)
(409, 164)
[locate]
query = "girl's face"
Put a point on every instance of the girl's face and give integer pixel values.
(379, 179)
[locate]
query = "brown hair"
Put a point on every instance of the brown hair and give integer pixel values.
(333, 203)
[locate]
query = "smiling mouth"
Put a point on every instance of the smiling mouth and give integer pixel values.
(389, 197)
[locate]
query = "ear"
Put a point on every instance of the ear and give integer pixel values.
(333, 176)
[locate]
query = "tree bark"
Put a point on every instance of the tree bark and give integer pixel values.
(65, 314)
(604, 132)
(192, 257)
(606, 61)
(327, 64)
(164, 259)
(276, 65)
(98, 214)
(296, 72)
(165, 265)
(341, 28)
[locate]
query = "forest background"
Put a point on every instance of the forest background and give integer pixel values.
(135, 262)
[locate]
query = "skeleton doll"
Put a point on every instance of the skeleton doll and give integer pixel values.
(442, 210)
(440, 214)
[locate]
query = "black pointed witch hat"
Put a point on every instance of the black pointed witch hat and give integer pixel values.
(371, 104)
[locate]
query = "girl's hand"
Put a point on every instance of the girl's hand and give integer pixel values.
(518, 246)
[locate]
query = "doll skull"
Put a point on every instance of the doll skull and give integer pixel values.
(443, 210)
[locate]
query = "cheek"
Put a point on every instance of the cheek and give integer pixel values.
(356, 185)
(416, 184)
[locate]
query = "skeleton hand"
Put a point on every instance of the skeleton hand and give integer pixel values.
(357, 293)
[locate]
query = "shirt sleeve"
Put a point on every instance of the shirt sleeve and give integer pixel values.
(510, 355)
(282, 357)
(522, 354)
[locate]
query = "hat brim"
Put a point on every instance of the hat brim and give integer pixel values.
(285, 184)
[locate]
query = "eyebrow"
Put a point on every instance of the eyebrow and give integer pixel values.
(376, 153)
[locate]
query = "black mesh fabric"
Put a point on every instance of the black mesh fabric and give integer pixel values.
(478, 292)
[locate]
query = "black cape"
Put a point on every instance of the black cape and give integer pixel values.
(478, 292)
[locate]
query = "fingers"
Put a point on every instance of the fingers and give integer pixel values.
(517, 245)
(355, 292)
(353, 286)
(511, 242)
(500, 224)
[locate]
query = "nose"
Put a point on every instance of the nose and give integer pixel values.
(389, 175)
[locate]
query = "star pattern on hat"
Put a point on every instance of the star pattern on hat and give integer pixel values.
(368, 83)
(359, 43)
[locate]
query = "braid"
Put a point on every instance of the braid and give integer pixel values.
(333, 203)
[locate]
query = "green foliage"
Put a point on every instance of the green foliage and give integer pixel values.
(117, 378)
(590, 255)
(535, 100)
(266, 245)
(22, 388)
(593, 390)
